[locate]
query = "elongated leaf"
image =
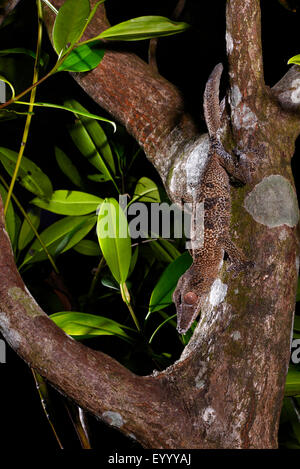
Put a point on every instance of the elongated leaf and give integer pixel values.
(144, 27)
(134, 259)
(83, 58)
(91, 141)
(88, 247)
(99, 177)
(163, 290)
(69, 203)
(26, 234)
(85, 326)
(21, 50)
(294, 60)
(10, 216)
(69, 24)
(292, 385)
(67, 167)
(164, 250)
(65, 108)
(30, 175)
(146, 191)
(114, 240)
(55, 234)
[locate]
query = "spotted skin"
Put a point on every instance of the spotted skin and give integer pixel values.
(214, 191)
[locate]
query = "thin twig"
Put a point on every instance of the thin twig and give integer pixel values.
(30, 109)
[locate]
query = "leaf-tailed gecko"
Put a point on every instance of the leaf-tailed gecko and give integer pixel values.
(214, 191)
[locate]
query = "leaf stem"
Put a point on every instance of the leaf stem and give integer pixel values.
(30, 109)
(96, 275)
(43, 394)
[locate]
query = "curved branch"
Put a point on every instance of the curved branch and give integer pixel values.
(95, 381)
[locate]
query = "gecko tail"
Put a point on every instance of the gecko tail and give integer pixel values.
(211, 104)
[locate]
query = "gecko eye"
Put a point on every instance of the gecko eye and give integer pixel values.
(190, 298)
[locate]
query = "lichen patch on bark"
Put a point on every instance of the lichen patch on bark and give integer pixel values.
(217, 293)
(29, 304)
(10, 335)
(273, 202)
(113, 418)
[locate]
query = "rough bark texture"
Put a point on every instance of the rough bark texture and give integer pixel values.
(227, 388)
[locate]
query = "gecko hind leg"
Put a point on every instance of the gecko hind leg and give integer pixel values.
(238, 260)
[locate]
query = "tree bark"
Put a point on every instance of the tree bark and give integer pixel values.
(226, 390)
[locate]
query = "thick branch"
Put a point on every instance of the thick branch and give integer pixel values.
(93, 380)
(244, 49)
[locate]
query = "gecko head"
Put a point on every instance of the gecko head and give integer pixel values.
(187, 303)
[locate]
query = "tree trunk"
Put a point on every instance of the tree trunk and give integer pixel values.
(226, 390)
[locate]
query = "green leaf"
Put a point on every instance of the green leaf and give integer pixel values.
(21, 50)
(65, 108)
(163, 290)
(91, 141)
(69, 24)
(88, 247)
(67, 167)
(26, 234)
(55, 234)
(292, 384)
(295, 60)
(10, 216)
(146, 191)
(144, 27)
(83, 58)
(164, 250)
(85, 326)
(134, 259)
(114, 240)
(30, 175)
(69, 203)
(99, 177)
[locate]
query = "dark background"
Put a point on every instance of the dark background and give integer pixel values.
(186, 60)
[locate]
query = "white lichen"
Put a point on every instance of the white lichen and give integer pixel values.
(217, 293)
(236, 335)
(295, 95)
(195, 165)
(199, 380)
(244, 118)
(9, 333)
(297, 262)
(229, 43)
(209, 415)
(113, 418)
(273, 202)
(235, 96)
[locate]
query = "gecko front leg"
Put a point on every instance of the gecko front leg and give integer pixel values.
(214, 192)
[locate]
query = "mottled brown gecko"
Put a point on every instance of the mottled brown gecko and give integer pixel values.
(214, 191)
